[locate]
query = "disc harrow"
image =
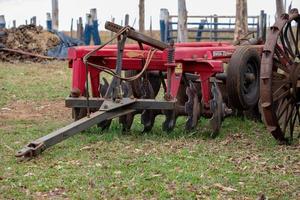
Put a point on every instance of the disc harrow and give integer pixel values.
(153, 78)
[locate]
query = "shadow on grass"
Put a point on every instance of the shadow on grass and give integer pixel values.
(231, 125)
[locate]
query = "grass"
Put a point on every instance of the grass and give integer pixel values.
(33, 81)
(242, 163)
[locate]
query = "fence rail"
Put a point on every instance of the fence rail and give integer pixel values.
(211, 27)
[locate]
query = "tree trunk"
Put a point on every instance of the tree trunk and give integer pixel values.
(182, 33)
(279, 8)
(241, 19)
(142, 16)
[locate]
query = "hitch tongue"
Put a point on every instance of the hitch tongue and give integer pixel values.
(31, 150)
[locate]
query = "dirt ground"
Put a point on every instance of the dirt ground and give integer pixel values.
(34, 112)
(29, 110)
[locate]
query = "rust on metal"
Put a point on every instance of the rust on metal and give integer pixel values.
(137, 36)
(280, 73)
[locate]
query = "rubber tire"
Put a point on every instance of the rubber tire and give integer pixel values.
(238, 65)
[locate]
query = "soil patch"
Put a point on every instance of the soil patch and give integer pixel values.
(29, 110)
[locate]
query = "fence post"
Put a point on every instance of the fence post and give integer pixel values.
(55, 14)
(182, 34)
(79, 33)
(164, 24)
(126, 20)
(150, 28)
(112, 33)
(87, 29)
(215, 27)
(142, 16)
(96, 36)
(241, 19)
(71, 29)
(200, 29)
(33, 20)
(261, 24)
(49, 22)
(2, 22)
(264, 36)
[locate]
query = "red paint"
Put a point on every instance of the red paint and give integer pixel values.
(202, 58)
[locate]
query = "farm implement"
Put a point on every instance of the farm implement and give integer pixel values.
(200, 79)
(279, 78)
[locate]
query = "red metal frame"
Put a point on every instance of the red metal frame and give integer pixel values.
(204, 59)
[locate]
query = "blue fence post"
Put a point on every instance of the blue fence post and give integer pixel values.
(200, 29)
(49, 22)
(169, 31)
(88, 29)
(95, 31)
(162, 30)
(2, 21)
(96, 36)
(164, 24)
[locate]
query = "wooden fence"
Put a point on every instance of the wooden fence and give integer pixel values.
(212, 27)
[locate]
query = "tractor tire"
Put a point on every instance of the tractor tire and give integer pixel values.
(243, 78)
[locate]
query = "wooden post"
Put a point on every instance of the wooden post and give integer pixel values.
(79, 29)
(71, 30)
(112, 33)
(49, 22)
(2, 21)
(164, 24)
(48, 16)
(150, 28)
(88, 19)
(87, 29)
(142, 16)
(94, 28)
(93, 12)
(215, 27)
(55, 14)
(241, 19)
(126, 20)
(33, 20)
(182, 33)
(262, 25)
(279, 8)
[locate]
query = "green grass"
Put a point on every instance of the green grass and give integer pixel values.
(242, 163)
(31, 81)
